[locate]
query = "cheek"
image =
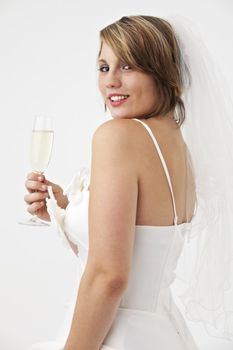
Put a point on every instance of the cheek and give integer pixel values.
(151, 91)
(141, 86)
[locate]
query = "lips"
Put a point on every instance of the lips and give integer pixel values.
(117, 99)
(112, 94)
(117, 102)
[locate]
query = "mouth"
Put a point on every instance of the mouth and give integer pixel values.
(117, 100)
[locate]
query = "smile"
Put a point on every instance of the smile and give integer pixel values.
(117, 100)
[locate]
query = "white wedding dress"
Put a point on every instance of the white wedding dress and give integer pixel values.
(148, 317)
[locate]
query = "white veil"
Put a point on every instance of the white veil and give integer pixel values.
(208, 133)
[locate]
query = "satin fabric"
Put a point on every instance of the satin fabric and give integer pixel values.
(148, 317)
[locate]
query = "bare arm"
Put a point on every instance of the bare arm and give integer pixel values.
(112, 216)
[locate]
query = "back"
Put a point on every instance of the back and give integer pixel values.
(155, 205)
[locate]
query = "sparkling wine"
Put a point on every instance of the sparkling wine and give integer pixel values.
(40, 151)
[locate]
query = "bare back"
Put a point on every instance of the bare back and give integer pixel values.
(154, 196)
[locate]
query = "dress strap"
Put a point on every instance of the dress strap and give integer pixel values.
(164, 166)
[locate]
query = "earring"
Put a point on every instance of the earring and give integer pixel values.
(176, 116)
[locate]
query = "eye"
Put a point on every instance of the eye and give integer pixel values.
(126, 66)
(103, 68)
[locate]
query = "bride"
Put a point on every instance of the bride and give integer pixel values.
(149, 188)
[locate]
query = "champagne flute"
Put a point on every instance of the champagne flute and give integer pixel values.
(40, 152)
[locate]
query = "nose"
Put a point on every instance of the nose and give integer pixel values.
(113, 80)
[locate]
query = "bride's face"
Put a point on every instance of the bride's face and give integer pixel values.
(127, 92)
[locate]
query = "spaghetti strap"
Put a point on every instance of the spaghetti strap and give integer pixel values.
(164, 166)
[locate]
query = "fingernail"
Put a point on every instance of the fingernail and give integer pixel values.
(40, 178)
(44, 187)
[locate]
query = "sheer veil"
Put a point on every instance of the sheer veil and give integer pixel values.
(208, 133)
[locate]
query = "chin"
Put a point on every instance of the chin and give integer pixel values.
(119, 117)
(122, 115)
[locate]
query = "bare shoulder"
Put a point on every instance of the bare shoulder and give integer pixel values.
(114, 149)
(116, 131)
(113, 198)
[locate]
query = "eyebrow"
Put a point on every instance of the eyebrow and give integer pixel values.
(102, 60)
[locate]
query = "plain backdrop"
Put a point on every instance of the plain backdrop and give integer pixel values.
(48, 51)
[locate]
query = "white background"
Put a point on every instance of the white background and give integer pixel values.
(48, 50)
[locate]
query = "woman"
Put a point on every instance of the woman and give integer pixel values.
(128, 222)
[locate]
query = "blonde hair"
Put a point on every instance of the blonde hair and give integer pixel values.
(149, 44)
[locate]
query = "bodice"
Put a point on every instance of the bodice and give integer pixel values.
(156, 248)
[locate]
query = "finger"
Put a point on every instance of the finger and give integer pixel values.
(35, 176)
(31, 186)
(56, 188)
(35, 197)
(32, 209)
